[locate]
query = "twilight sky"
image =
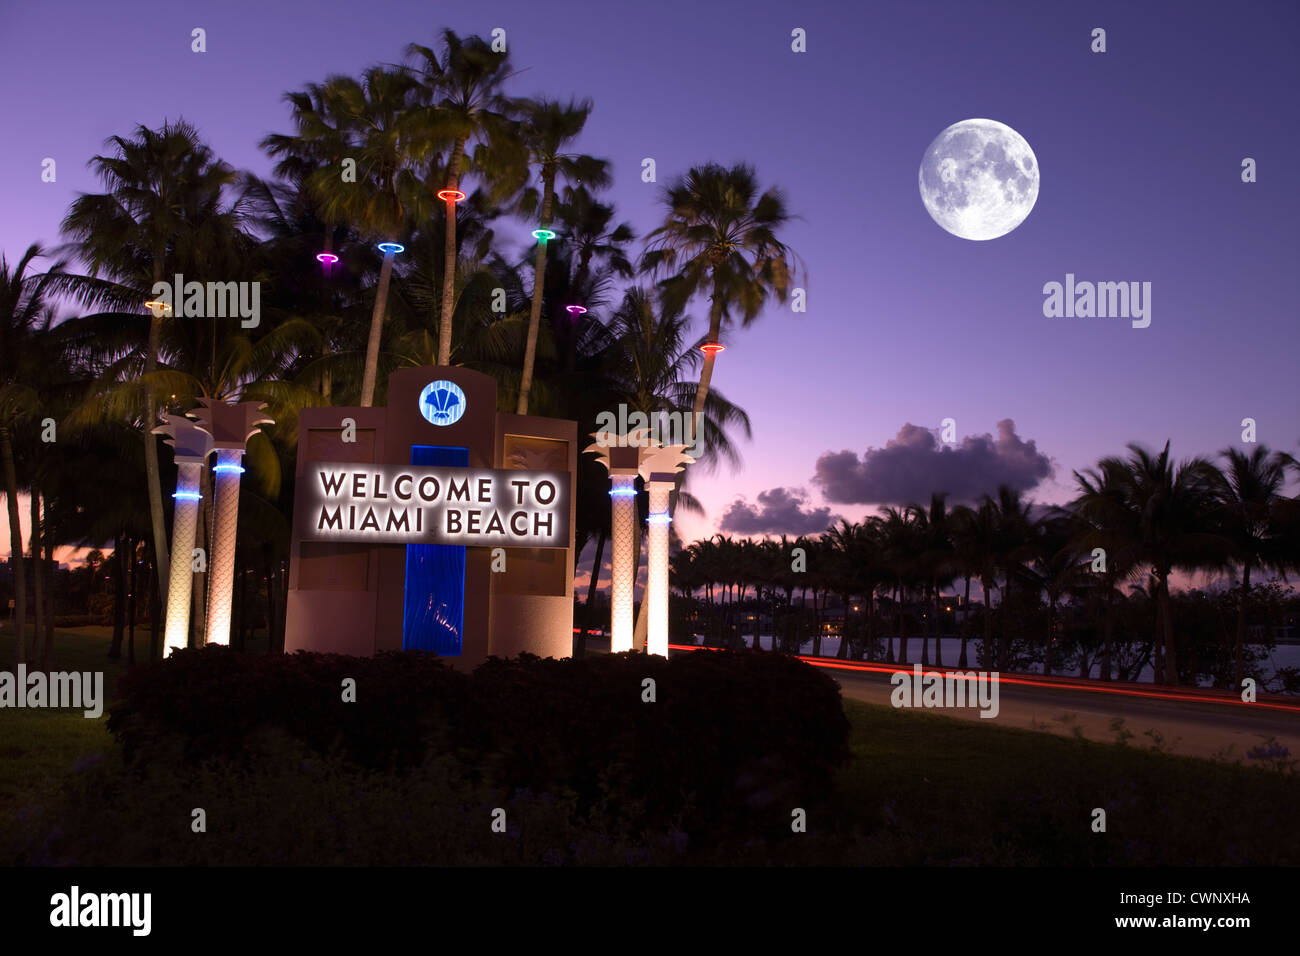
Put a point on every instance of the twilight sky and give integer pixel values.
(1140, 150)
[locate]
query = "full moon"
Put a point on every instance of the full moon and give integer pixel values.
(979, 179)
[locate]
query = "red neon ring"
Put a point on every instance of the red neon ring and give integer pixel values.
(450, 195)
(712, 347)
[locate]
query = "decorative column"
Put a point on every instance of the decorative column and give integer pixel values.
(622, 586)
(659, 521)
(625, 456)
(622, 460)
(659, 467)
(230, 427)
(192, 447)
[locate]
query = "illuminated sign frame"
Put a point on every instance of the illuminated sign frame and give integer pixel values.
(414, 504)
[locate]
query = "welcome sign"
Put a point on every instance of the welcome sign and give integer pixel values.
(413, 504)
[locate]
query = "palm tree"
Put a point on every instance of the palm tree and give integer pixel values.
(902, 546)
(1107, 523)
(934, 560)
(1249, 491)
(163, 204)
(24, 316)
(587, 230)
(1171, 507)
(371, 121)
(720, 239)
(548, 127)
(1012, 546)
(966, 555)
(461, 93)
(1055, 568)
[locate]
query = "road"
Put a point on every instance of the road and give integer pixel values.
(1192, 722)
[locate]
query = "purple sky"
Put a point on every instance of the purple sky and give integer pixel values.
(1140, 151)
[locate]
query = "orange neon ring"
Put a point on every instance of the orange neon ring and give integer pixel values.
(450, 195)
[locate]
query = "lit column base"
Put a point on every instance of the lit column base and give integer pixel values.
(657, 565)
(221, 567)
(622, 590)
(180, 580)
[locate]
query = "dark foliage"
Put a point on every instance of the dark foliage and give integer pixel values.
(729, 739)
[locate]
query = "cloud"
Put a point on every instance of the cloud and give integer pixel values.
(779, 510)
(914, 465)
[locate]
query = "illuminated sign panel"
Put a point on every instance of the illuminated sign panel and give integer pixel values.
(411, 504)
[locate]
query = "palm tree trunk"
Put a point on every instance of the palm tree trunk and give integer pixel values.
(1004, 638)
(1157, 645)
(449, 258)
(817, 626)
(938, 628)
(535, 308)
(38, 576)
(47, 646)
(119, 598)
(889, 637)
(151, 469)
(771, 595)
(1108, 631)
(1239, 644)
(130, 603)
(580, 645)
(965, 625)
(15, 546)
(706, 372)
(871, 623)
(377, 331)
(270, 595)
(902, 627)
(579, 282)
(986, 648)
(925, 631)
(152, 607)
(1051, 630)
(1171, 662)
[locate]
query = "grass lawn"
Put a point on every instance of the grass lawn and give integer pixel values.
(920, 788)
(37, 747)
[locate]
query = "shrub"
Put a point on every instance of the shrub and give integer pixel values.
(731, 738)
(209, 701)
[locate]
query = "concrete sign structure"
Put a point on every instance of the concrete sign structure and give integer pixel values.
(436, 523)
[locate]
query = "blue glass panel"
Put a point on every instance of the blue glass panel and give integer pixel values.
(435, 576)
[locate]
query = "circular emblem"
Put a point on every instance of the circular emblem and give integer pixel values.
(442, 402)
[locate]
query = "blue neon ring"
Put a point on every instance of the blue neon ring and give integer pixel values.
(239, 469)
(188, 495)
(393, 247)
